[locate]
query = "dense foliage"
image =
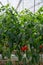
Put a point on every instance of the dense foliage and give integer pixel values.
(22, 32)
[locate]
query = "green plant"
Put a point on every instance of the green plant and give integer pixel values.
(9, 27)
(9, 63)
(21, 30)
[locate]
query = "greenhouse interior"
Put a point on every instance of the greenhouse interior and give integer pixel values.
(21, 32)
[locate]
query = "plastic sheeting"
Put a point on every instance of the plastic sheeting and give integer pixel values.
(29, 4)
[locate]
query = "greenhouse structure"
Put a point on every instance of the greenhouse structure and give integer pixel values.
(21, 32)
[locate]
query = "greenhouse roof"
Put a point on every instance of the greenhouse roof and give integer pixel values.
(22, 4)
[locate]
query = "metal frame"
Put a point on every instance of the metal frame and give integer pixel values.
(36, 5)
(19, 4)
(23, 4)
(30, 7)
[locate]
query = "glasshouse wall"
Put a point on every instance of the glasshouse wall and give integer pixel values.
(21, 33)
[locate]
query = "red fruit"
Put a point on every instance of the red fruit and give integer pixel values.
(41, 46)
(24, 48)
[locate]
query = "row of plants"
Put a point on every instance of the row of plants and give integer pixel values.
(22, 32)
